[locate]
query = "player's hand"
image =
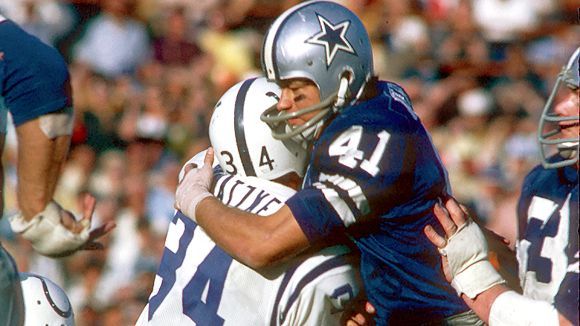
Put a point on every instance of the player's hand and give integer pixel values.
(464, 250)
(55, 232)
(360, 312)
(69, 222)
(451, 218)
(195, 186)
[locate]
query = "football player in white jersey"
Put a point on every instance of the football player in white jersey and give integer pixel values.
(547, 245)
(199, 284)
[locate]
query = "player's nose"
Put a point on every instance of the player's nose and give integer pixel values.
(286, 100)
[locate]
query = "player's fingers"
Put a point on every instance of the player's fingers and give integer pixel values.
(456, 212)
(357, 320)
(89, 204)
(464, 209)
(434, 237)
(370, 308)
(101, 230)
(445, 220)
(208, 159)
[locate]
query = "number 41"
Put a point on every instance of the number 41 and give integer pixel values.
(346, 146)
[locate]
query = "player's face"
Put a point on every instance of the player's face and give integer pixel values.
(298, 94)
(569, 107)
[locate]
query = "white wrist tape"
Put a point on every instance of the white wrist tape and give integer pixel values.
(466, 252)
(193, 189)
(47, 234)
(511, 308)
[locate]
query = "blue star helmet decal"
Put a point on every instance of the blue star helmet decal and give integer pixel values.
(333, 38)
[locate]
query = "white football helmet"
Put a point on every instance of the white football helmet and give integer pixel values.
(45, 303)
(549, 127)
(242, 143)
(326, 43)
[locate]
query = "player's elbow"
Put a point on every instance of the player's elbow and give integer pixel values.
(261, 255)
(256, 261)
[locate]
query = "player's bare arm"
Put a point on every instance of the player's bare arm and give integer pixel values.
(256, 241)
(40, 161)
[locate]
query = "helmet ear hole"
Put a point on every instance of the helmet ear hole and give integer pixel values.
(348, 75)
(351, 77)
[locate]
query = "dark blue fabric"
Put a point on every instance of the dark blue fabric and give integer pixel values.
(560, 186)
(34, 78)
(400, 267)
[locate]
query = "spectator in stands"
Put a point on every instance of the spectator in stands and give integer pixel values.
(114, 43)
(175, 46)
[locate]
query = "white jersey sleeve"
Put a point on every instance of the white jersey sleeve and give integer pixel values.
(316, 291)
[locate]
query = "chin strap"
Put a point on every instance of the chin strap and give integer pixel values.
(341, 101)
(342, 94)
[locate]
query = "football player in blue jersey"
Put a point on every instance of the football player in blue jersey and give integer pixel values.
(547, 245)
(373, 173)
(35, 89)
(263, 173)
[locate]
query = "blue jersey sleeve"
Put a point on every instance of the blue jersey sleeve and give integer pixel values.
(34, 78)
(373, 160)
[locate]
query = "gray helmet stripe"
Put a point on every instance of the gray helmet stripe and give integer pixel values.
(268, 50)
(267, 55)
(239, 128)
(64, 314)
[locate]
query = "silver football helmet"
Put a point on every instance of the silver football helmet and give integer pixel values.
(549, 127)
(326, 43)
(242, 143)
(45, 303)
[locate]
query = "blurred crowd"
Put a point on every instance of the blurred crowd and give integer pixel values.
(146, 75)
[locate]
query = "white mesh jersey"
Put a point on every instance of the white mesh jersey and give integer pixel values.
(197, 283)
